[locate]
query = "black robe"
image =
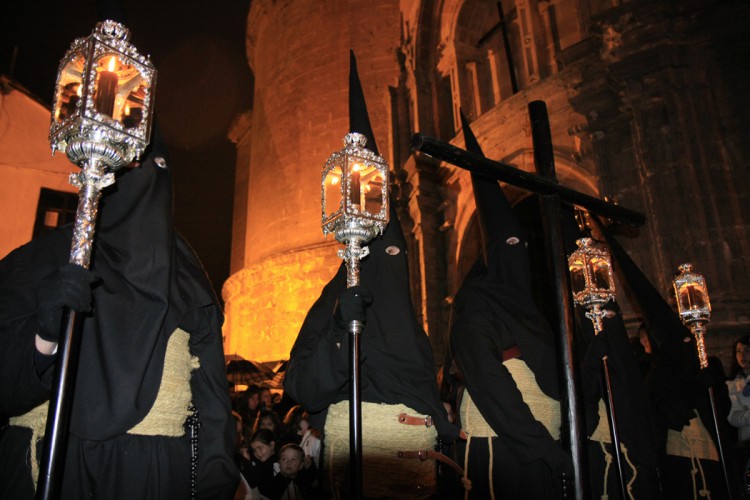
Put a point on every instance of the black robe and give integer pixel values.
(151, 283)
(493, 312)
(396, 358)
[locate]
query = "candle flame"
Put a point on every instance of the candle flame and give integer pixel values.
(334, 181)
(127, 109)
(111, 66)
(356, 167)
(79, 90)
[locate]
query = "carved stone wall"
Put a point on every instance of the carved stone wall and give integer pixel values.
(647, 101)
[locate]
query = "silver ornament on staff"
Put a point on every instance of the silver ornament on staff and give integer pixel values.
(355, 209)
(694, 308)
(101, 120)
(593, 286)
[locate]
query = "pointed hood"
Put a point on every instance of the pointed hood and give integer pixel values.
(359, 118)
(498, 287)
(396, 356)
(496, 218)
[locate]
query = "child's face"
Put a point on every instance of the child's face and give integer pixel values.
(303, 426)
(261, 450)
(266, 423)
(290, 463)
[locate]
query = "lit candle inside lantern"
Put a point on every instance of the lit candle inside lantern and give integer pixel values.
(694, 297)
(354, 188)
(106, 89)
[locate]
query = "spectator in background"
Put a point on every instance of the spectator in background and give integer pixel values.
(268, 419)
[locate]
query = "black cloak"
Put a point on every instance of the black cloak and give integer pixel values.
(493, 311)
(151, 283)
(396, 358)
(677, 385)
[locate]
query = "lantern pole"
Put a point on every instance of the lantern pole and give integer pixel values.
(90, 181)
(592, 294)
(99, 139)
(694, 309)
(353, 225)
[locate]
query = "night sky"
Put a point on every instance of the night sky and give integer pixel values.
(204, 82)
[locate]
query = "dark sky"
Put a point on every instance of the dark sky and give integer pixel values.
(204, 81)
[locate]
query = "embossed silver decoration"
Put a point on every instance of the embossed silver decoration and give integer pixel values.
(694, 306)
(592, 281)
(101, 118)
(354, 200)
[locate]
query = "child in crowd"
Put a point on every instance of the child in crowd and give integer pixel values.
(268, 419)
(266, 399)
(297, 430)
(263, 463)
(293, 480)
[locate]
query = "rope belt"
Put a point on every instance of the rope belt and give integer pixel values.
(603, 435)
(383, 436)
(166, 417)
(36, 420)
(172, 405)
(694, 442)
(545, 409)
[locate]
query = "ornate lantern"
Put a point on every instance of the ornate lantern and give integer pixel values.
(103, 98)
(693, 305)
(592, 282)
(101, 117)
(354, 199)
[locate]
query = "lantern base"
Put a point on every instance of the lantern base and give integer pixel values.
(82, 150)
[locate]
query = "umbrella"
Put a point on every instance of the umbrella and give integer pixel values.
(246, 372)
(277, 382)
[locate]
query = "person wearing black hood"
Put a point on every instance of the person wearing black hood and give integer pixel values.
(151, 347)
(678, 389)
(505, 352)
(397, 367)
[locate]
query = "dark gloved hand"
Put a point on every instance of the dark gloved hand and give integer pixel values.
(69, 286)
(351, 305)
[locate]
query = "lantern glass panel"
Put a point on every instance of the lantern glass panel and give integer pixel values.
(692, 297)
(577, 276)
(600, 273)
(69, 89)
(373, 193)
(333, 198)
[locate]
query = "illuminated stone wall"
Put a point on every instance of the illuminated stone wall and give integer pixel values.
(266, 303)
(646, 119)
(299, 54)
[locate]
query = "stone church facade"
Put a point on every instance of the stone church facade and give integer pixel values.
(647, 102)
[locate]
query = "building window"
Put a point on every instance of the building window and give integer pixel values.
(54, 209)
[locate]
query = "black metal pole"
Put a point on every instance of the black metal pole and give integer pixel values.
(58, 416)
(551, 216)
(355, 412)
(719, 446)
(90, 180)
(353, 254)
(613, 429)
(525, 180)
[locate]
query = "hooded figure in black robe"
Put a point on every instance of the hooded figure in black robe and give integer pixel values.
(397, 366)
(633, 412)
(495, 322)
(151, 289)
(678, 388)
